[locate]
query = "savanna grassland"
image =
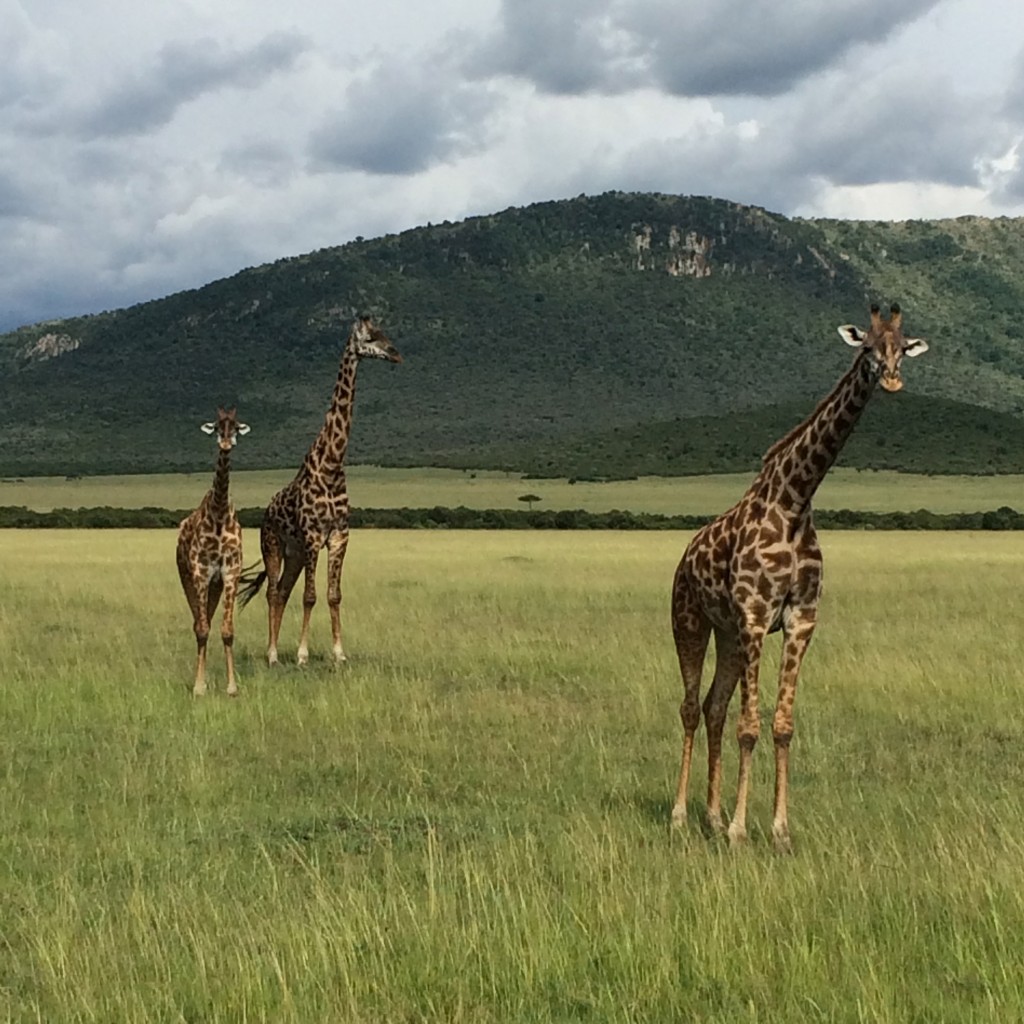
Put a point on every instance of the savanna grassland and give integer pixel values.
(380, 487)
(468, 822)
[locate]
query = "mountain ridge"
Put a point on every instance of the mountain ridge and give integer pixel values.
(534, 327)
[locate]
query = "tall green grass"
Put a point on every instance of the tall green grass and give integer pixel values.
(468, 822)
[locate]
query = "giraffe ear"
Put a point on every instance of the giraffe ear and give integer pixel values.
(852, 335)
(244, 428)
(208, 428)
(914, 346)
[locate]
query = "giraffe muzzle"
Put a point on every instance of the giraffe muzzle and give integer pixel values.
(893, 383)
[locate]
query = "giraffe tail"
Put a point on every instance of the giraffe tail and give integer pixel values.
(250, 583)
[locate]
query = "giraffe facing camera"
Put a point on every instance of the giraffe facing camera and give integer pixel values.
(226, 440)
(757, 569)
(886, 344)
(209, 554)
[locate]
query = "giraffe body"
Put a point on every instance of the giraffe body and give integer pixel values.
(209, 555)
(757, 569)
(312, 512)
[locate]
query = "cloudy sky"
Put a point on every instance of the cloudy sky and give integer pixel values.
(150, 147)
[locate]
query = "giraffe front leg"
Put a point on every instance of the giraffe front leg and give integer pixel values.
(201, 628)
(227, 629)
(798, 630)
(308, 601)
(748, 728)
(336, 548)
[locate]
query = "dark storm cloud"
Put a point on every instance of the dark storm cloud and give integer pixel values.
(905, 125)
(688, 48)
(1013, 104)
(761, 49)
(264, 162)
(1011, 184)
(17, 200)
(570, 47)
(1005, 173)
(401, 120)
(182, 72)
(1011, 187)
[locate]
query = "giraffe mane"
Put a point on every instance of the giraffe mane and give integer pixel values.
(786, 440)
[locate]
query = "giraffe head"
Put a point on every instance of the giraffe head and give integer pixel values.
(227, 428)
(885, 344)
(370, 342)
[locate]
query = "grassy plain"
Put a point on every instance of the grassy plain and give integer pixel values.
(468, 821)
(376, 487)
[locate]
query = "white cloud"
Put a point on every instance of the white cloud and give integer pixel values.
(145, 149)
(898, 201)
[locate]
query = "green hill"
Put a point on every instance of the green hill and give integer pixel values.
(661, 333)
(906, 433)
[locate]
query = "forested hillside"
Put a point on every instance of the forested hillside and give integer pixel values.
(598, 335)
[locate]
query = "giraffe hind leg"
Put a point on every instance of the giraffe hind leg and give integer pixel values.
(308, 602)
(728, 667)
(749, 726)
(201, 628)
(281, 576)
(290, 573)
(798, 630)
(336, 548)
(213, 592)
(691, 629)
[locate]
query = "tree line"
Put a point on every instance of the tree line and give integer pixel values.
(462, 518)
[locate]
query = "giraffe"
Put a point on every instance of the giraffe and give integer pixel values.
(757, 568)
(312, 511)
(210, 554)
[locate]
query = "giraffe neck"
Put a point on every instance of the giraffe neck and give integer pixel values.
(795, 466)
(326, 456)
(218, 502)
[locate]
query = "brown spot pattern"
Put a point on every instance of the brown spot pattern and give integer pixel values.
(758, 567)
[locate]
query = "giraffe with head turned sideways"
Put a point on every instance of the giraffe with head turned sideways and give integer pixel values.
(312, 511)
(209, 554)
(757, 568)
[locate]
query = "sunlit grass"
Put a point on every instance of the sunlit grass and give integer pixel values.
(469, 821)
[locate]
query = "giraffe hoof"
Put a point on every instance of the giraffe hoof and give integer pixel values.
(678, 817)
(715, 824)
(782, 843)
(737, 837)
